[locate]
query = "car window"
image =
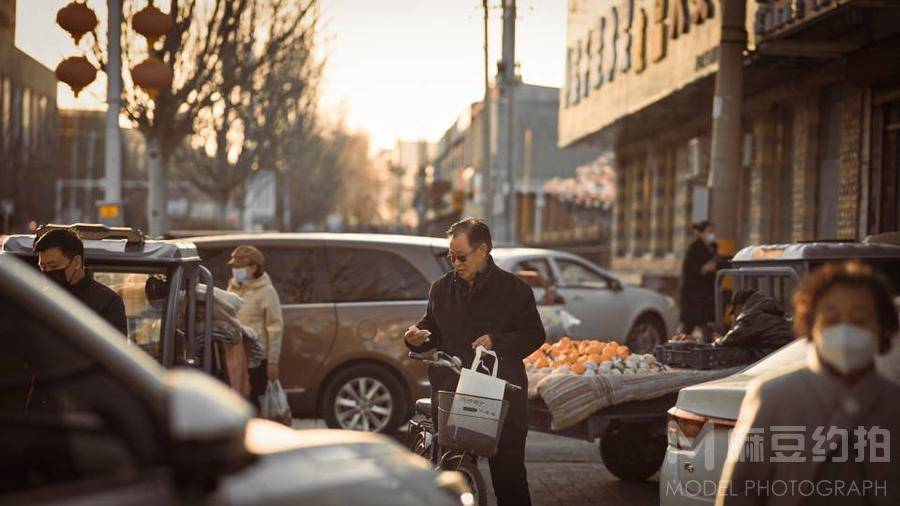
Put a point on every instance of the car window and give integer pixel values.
(368, 275)
(63, 418)
(293, 272)
(576, 274)
(539, 265)
(145, 318)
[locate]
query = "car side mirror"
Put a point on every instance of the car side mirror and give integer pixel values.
(207, 426)
(615, 285)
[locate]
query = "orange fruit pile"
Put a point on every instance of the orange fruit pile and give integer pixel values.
(576, 354)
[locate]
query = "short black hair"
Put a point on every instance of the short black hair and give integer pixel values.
(67, 241)
(477, 230)
(700, 226)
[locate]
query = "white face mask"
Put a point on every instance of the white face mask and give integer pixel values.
(239, 275)
(847, 348)
(710, 237)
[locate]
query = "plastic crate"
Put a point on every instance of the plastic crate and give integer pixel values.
(688, 355)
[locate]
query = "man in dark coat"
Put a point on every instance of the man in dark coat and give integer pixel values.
(759, 326)
(698, 279)
(479, 304)
(61, 258)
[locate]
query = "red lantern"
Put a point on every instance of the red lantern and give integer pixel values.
(152, 23)
(77, 72)
(77, 19)
(152, 75)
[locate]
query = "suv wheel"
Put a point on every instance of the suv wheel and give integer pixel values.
(366, 398)
(647, 332)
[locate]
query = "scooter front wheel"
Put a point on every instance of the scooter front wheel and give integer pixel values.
(469, 469)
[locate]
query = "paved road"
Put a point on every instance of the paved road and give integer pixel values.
(563, 471)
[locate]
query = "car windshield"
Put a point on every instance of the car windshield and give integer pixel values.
(145, 317)
(788, 356)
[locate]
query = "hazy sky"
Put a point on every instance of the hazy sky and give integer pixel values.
(396, 68)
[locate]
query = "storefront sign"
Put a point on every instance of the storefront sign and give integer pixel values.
(778, 15)
(622, 53)
(619, 40)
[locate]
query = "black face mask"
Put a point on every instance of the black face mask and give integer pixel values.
(59, 276)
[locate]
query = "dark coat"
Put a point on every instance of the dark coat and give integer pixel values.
(103, 300)
(761, 326)
(498, 304)
(698, 290)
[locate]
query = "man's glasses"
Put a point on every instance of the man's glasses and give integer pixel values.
(453, 257)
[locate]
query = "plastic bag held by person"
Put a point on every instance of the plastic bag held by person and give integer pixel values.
(274, 404)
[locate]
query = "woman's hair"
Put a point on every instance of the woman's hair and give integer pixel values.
(850, 274)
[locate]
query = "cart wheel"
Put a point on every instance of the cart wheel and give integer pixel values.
(633, 451)
(469, 469)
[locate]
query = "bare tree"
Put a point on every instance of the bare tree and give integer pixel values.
(221, 52)
(266, 106)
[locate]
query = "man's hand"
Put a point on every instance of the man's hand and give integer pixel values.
(485, 341)
(272, 372)
(416, 336)
(708, 267)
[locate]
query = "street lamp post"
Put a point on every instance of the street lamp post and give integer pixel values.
(111, 208)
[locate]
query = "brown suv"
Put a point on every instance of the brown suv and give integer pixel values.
(347, 300)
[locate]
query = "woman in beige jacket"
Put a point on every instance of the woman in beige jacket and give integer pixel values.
(826, 432)
(261, 312)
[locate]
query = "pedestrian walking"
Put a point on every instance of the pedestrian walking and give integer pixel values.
(479, 304)
(61, 258)
(698, 279)
(825, 432)
(261, 312)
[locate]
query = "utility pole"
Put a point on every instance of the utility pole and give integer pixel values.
(487, 187)
(110, 210)
(507, 89)
(726, 129)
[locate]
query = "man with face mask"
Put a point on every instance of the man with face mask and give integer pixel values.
(61, 258)
(698, 277)
(261, 312)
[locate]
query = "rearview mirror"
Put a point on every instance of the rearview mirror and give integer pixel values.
(207, 425)
(615, 285)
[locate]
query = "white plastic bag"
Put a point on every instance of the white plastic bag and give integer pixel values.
(274, 404)
(482, 413)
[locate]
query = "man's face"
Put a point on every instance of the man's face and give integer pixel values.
(54, 259)
(475, 258)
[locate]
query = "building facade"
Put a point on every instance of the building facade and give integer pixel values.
(819, 113)
(28, 123)
(529, 150)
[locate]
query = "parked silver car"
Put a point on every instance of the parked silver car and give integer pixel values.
(86, 418)
(607, 309)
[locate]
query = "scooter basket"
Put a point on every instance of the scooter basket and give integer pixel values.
(470, 423)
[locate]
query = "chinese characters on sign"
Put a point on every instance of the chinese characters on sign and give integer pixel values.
(832, 444)
(625, 38)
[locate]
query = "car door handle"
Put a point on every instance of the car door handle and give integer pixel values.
(577, 297)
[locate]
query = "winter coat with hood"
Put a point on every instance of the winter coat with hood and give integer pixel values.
(261, 312)
(760, 327)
